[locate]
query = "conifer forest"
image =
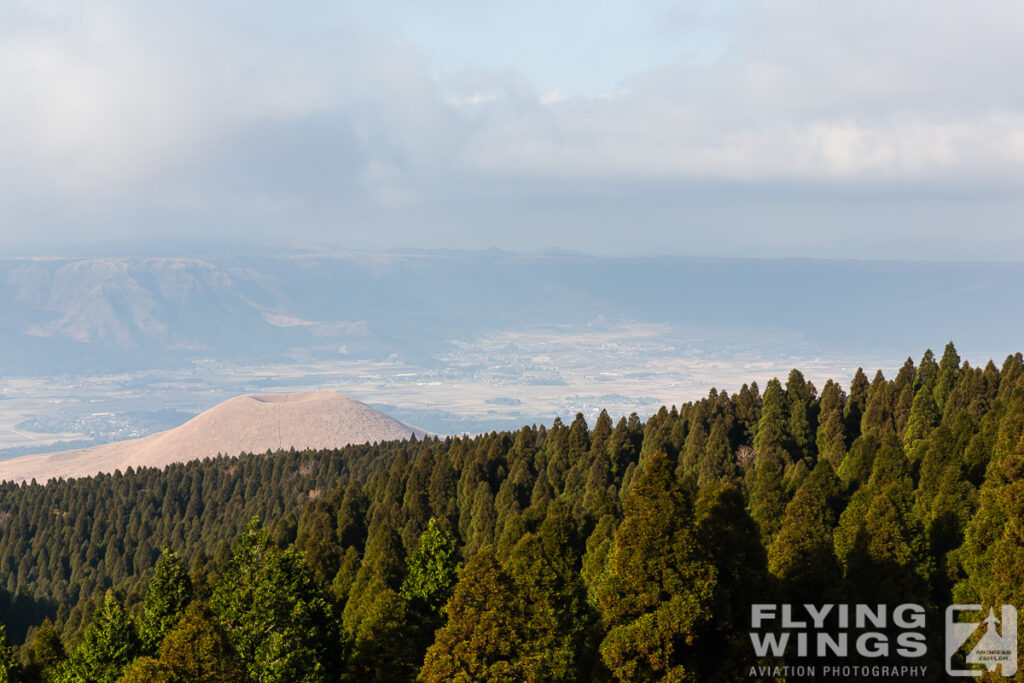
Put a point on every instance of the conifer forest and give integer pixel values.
(629, 549)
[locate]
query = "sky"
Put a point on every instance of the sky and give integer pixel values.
(778, 128)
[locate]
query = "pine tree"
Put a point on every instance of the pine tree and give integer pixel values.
(543, 566)
(432, 572)
(45, 653)
(624, 444)
(771, 428)
(375, 623)
(716, 462)
(272, 609)
(599, 496)
(108, 646)
(942, 499)
(887, 564)
(878, 417)
(856, 467)
(903, 408)
(483, 519)
(732, 541)
(991, 559)
(853, 412)
(316, 538)
(765, 482)
(198, 649)
(595, 560)
(692, 451)
(831, 438)
(879, 541)
(483, 639)
(352, 518)
(802, 555)
(169, 592)
(382, 650)
(927, 371)
(384, 560)
(924, 416)
(747, 407)
(656, 597)
(346, 576)
(801, 424)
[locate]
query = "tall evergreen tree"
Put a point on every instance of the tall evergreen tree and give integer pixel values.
(773, 425)
(733, 544)
(45, 653)
(483, 639)
(765, 482)
(991, 559)
(927, 371)
(198, 650)
(831, 438)
(544, 568)
(273, 611)
(169, 592)
(656, 597)
(924, 416)
(316, 537)
(802, 417)
(381, 650)
(853, 411)
(878, 417)
(802, 555)
(108, 646)
(432, 572)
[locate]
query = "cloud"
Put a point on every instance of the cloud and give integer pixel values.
(239, 118)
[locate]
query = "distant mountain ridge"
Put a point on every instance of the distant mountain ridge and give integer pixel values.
(251, 423)
(114, 314)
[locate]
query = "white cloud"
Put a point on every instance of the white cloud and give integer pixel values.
(127, 111)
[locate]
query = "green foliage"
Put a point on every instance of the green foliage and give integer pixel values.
(87, 534)
(198, 650)
(924, 415)
(903, 490)
(273, 611)
(732, 542)
(109, 645)
(9, 668)
(772, 427)
(766, 486)
(801, 409)
(148, 670)
(802, 555)
(169, 592)
(657, 594)
(382, 648)
(45, 653)
(432, 572)
(483, 639)
(878, 411)
(316, 538)
(831, 437)
(544, 567)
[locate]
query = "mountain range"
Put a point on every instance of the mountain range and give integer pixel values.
(89, 314)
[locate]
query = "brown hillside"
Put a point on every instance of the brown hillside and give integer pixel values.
(253, 423)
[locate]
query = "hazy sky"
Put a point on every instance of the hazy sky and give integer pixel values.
(860, 129)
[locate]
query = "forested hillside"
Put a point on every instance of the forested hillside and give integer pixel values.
(623, 550)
